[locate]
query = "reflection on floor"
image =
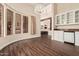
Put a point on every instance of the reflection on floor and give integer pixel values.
(41, 46)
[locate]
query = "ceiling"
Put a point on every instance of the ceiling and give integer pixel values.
(37, 4)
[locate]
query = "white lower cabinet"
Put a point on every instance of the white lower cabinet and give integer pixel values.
(69, 37)
(58, 35)
(77, 38)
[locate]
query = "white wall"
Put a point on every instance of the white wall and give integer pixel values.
(62, 7)
(25, 10)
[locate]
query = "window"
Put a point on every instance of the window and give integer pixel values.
(17, 23)
(9, 22)
(25, 24)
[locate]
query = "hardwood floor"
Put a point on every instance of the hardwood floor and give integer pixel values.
(42, 46)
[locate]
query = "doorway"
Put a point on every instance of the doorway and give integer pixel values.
(46, 27)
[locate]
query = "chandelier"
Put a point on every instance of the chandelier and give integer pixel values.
(38, 8)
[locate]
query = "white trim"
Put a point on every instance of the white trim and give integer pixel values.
(14, 38)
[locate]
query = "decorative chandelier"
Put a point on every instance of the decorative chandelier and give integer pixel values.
(38, 8)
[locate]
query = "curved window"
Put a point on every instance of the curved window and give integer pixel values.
(25, 24)
(17, 23)
(9, 22)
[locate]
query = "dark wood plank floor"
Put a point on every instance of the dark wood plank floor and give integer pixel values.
(42, 46)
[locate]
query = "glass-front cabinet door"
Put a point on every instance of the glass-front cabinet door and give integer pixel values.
(67, 18)
(70, 19)
(63, 19)
(1, 19)
(58, 20)
(9, 22)
(76, 16)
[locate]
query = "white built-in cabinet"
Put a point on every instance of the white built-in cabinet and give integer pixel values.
(67, 18)
(58, 35)
(69, 37)
(77, 38)
(62, 36)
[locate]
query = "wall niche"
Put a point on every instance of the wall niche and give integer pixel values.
(25, 24)
(9, 22)
(17, 23)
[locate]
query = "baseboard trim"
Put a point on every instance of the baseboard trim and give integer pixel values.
(69, 43)
(10, 42)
